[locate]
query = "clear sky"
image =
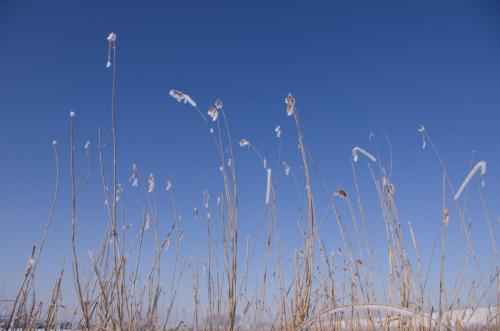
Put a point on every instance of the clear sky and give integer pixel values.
(354, 67)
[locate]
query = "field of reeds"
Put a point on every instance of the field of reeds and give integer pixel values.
(318, 286)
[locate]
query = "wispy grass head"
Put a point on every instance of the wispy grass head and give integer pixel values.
(213, 113)
(182, 97)
(290, 104)
(244, 143)
(151, 183)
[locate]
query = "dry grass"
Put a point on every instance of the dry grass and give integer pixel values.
(349, 289)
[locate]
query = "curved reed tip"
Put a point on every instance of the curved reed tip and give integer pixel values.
(244, 143)
(182, 97)
(54, 142)
(290, 104)
(481, 167)
(357, 150)
(111, 37)
(421, 128)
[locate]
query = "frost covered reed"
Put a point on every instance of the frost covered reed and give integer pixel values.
(479, 167)
(182, 97)
(268, 185)
(244, 143)
(358, 150)
(111, 45)
(151, 183)
(213, 113)
(333, 280)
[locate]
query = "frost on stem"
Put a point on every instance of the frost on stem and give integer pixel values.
(169, 184)
(357, 150)
(213, 113)
(182, 97)
(421, 129)
(29, 265)
(119, 192)
(480, 166)
(268, 186)
(86, 147)
(151, 183)
(287, 168)
(111, 44)
(277, 130)
(72, 114)
(133, 176)
(206, 198)
(290, 104)
(446, 217)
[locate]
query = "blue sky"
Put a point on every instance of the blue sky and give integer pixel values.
(354, 67)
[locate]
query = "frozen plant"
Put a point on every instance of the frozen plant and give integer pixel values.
(357, 150)
(182, 97)
(169, 184)
(244, 143)
(111, 44)
(213, 113)
(421, 129)
(480, 166)
(151, 183)
(277, 130)
(290, 104)
(218, 104)
(268, 186)
(133, 176)
(286, 168)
